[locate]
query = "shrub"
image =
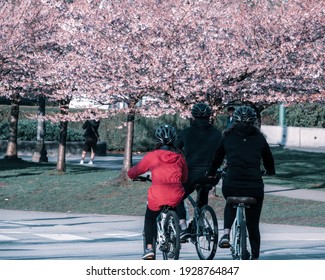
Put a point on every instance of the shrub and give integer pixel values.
(300, 115)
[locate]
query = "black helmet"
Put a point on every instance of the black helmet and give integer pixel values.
(201, 110)
(166, 134)
(245, 114)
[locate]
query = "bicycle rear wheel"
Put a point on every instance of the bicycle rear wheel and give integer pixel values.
(243, 252)
(172, 244)
(207, 233)
(235, 240)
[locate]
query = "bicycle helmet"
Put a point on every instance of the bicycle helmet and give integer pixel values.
(201, 110)
(245, 114)
(166, 134)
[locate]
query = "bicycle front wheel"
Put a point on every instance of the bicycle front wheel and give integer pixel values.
(172, 244)
(206, 233)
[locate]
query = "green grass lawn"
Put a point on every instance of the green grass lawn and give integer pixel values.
(82, 189)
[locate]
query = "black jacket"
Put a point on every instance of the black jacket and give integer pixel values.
(244, 148)
(91, 129)
(199, 142)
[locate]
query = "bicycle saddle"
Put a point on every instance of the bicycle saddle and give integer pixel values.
(241, 199)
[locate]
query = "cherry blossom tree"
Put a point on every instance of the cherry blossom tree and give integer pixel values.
(16, 71)
(175, 53)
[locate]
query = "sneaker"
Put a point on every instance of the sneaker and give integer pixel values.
(90, 162)
(185, 234)
(82, 161)
(148, 255)
(224, 241)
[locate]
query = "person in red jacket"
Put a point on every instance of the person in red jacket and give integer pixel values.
(168, 173)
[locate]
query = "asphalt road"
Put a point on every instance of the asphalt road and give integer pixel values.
(28, 235)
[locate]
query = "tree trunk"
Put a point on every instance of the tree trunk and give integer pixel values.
(127, 161)
(60, 166)
(11, 152)
(40, 155)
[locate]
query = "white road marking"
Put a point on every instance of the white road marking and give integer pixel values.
(63, 237)
(6, 238)
(122, 235)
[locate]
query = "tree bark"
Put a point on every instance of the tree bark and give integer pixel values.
(40, 155)
(127, 161)
(11, 152)
(60, 166)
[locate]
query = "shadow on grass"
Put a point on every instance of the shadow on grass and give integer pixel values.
(11, 164)
(34, 168)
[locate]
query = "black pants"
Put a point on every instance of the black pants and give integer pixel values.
(189, 186)
(150, 226)
(252, 214)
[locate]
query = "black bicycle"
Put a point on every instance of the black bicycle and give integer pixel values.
(168, 231)
(203, 228)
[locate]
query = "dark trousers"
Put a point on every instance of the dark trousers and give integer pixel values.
(252, 214)
(150, 225)
(189, 186)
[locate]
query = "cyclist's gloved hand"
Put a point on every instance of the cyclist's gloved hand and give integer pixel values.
(210, 180)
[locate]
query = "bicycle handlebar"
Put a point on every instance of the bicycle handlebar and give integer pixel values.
(142, 178)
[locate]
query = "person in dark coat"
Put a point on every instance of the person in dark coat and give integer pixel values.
(91, 138)
(198, 142)
(245, 148)
(230, 117)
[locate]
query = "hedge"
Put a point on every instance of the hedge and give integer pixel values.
(113, 130)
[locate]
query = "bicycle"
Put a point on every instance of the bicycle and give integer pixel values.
(203, 228)
(168, 231)
(239, 243)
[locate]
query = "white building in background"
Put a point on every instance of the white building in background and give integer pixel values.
(82, 103)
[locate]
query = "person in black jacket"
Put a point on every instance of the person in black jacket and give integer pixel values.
(245, 148)
(230, 117)
(198, 142)
(91, 138)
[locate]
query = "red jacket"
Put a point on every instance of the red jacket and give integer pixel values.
(168, 172)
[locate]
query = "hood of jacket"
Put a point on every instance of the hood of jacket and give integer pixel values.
(201, 123)
(245, 130)
(168, 156)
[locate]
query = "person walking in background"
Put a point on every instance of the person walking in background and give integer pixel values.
(230, 117)
(199, 142)
(245, 147)
(91, 138)
(168, 172)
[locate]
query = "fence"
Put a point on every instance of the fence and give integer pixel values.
(302, 137)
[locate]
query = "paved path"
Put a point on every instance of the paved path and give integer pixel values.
(296, 193)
